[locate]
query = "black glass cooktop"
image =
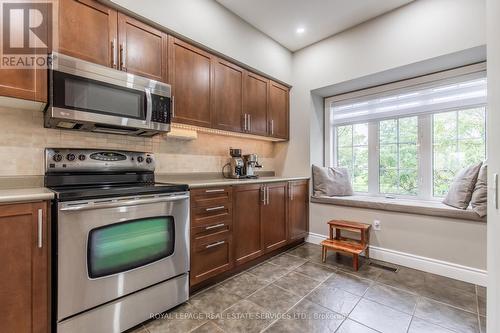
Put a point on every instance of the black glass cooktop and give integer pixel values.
(82, 192)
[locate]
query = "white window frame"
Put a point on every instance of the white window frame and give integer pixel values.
(425, 136)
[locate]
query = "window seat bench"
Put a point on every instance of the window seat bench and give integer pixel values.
(421, 207)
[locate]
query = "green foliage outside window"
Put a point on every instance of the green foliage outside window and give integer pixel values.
(458, 141)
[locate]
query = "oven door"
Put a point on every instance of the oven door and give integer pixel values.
(109, 248)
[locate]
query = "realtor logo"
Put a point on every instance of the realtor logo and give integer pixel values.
(26, 33)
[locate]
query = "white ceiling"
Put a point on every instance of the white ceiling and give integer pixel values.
(280, 19)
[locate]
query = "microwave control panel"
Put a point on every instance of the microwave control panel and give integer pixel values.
(161, 109)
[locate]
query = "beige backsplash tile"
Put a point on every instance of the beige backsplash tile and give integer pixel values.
(23, 139)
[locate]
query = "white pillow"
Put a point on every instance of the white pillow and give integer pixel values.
(460, 192)
(479, 198)
(331, 181)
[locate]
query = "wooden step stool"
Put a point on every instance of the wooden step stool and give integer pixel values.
(347, 245)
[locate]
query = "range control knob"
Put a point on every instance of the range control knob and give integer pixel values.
(149, 160)
(57, 158)
(70, 157)
(81, 157)
(140, 159)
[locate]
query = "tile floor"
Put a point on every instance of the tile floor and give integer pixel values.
(295, 292)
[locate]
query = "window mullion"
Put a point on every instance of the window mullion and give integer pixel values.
(373, 157)
(425, 154)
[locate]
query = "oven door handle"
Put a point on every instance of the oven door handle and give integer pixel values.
(119, 203)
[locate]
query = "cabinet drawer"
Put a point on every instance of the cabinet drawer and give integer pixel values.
(212, 212)
(210, 256)
(212, 196)
(212, 227)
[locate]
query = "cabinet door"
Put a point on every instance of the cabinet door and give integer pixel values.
(298, 222)
(142, 49)
(247, 233)
(228, 96)
(274, 216)
(255, 103)
(190, 76)
(278, 110)
(210, 256)
(24, 290)
(88, 30)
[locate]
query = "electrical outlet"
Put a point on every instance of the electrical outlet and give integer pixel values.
(377, 225)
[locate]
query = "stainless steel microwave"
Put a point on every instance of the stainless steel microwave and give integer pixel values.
(88, 97)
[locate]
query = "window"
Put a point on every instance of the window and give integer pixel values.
(458, 141)
(409, 138)
(352, 153)
(398, 156)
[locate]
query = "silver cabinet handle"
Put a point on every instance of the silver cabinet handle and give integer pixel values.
(214, 226)
(263, 194)
(214, 244)
(272, 127)
(123, 66)
(211, 209)
(249, 123)
(173, 106)
(267, 195)
(40, 228)
(113, 53)
(215, 190)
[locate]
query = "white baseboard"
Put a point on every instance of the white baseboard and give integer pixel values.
(435, 266)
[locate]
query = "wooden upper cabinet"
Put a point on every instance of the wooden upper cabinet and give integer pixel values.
(88, 31)
(278, 110)
(24, 248)
(30, 84)
(298, 209)
(255, 102)
(142, 49)
(228, 96)
(247, 231)
(190, 76)
(274, 217)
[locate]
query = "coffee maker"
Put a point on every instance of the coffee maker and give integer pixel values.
(237, 164)
(250, 164)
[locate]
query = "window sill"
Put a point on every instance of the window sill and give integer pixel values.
(420, 207)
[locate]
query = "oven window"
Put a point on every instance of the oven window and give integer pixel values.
(127, 245)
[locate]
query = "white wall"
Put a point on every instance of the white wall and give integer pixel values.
(493, 26)
(210, 24)
(418, 32)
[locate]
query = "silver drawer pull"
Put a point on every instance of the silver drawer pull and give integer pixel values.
(214, 244)
(214, 226)
(40, 228)
(215, 191)
(214, 208)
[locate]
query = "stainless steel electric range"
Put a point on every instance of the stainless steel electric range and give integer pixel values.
(121, 241)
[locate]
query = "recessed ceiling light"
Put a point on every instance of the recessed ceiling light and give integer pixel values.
(301, 30)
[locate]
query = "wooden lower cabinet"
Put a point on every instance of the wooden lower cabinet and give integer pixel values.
(274, 216)
(298, 209)
(210, 256)
(24, 276)
(234, 225)
(247, 232)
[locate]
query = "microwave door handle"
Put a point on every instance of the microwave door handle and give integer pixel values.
(149, 105)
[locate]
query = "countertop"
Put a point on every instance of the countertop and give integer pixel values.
(200, 182)
(25, 194)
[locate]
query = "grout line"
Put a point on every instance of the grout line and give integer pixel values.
(303, 298)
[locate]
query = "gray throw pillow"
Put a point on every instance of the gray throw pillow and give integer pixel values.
(331, 181)
(479, 198)
(460, 192)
